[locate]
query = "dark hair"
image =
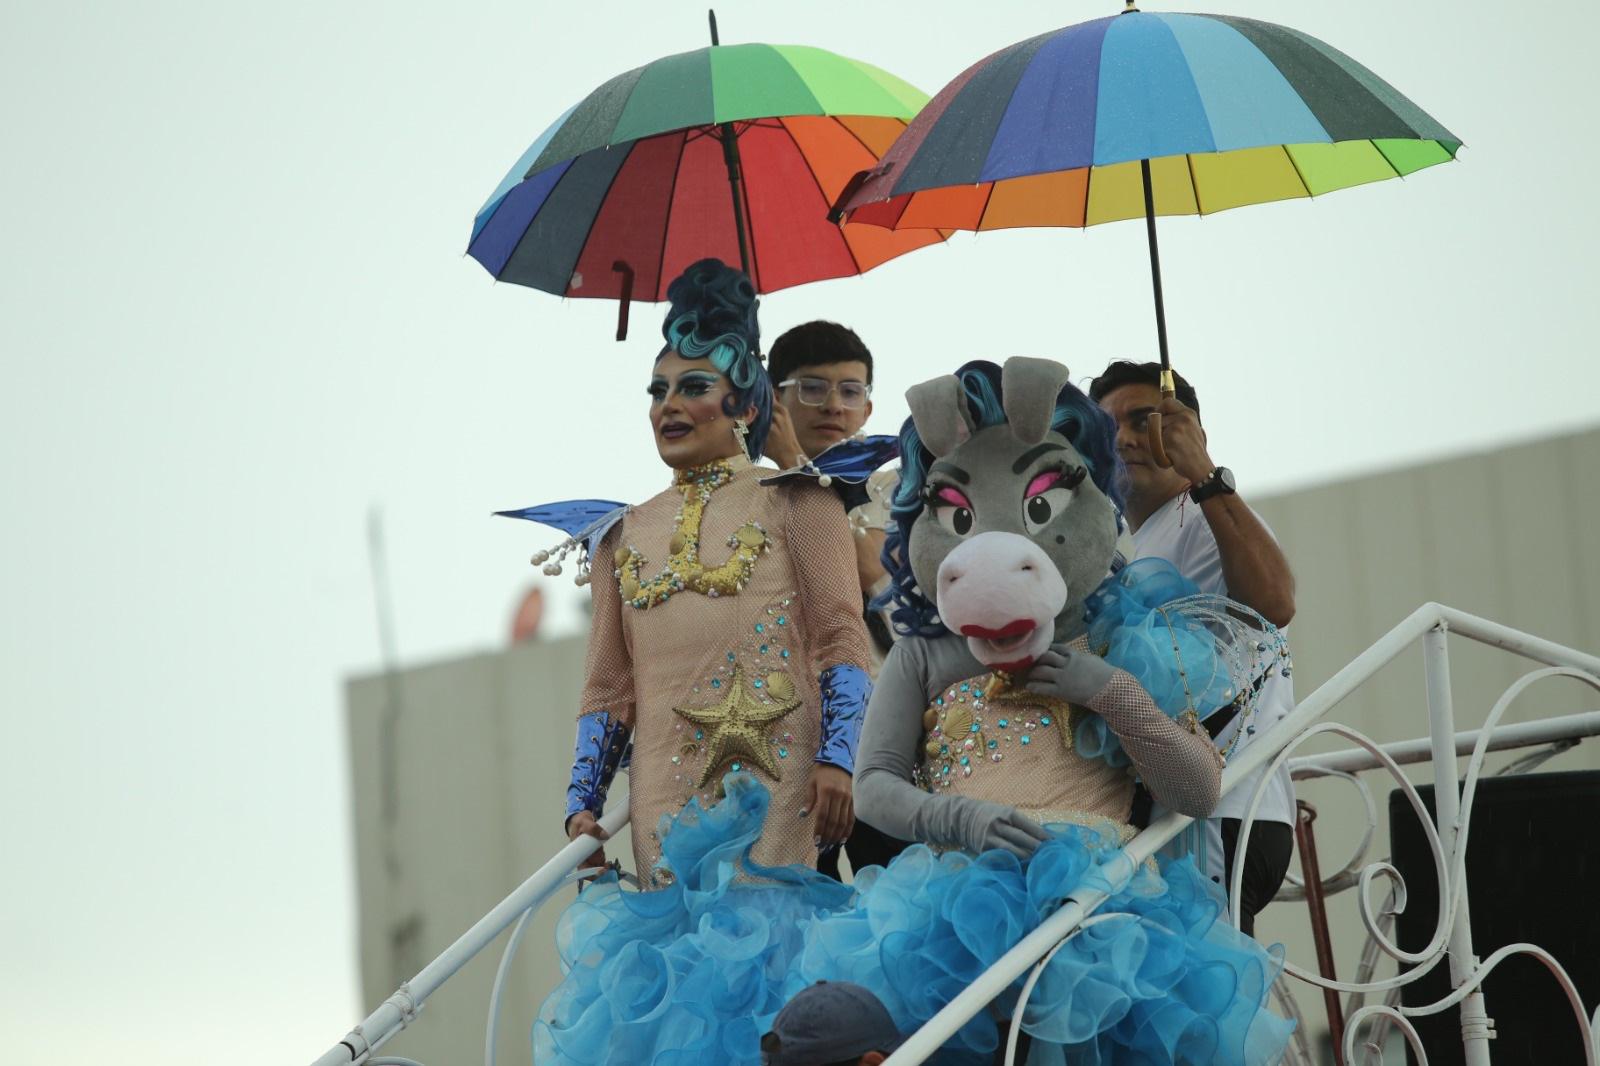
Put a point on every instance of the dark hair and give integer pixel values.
(1089, 429)
(1127, 372)
(816, 343)
(713, 317)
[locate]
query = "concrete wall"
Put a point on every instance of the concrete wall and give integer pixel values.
(480, 747)
(480, 750)
(1511, 535)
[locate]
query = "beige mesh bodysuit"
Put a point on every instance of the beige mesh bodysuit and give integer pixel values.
(721, 672)
(941, 732)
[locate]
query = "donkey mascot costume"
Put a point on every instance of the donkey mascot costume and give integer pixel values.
(1035, 679)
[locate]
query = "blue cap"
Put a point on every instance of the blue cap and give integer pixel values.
(829, 1022)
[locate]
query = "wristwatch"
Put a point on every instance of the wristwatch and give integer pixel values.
(1220, 483)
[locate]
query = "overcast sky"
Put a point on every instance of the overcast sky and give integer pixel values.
(235, 315)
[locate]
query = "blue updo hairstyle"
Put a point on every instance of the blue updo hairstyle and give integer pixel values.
(1089, 429)
(713, 316)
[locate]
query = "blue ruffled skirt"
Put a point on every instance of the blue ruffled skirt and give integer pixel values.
(693, 974)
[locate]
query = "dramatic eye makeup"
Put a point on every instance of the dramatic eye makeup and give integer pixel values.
(950, 507)
(696, 383)
(1048, 494)
(692, 384)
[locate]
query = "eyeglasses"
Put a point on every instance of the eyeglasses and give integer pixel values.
(814, 392)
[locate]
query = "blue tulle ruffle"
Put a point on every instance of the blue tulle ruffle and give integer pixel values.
(1175, 656)
(692, 975)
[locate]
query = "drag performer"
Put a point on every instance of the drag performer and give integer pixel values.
(1028, 692)
(727, 632)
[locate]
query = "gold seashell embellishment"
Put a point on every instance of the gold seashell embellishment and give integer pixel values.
(780, 687)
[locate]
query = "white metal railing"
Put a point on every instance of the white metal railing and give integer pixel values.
(1446, 838)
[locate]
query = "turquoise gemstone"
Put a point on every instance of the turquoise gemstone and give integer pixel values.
(994, 744)
(783, 753)
(1044, 720)
(758, 683)
(763, 649)
(1026, 738)
(782, 621)
(784, 653)
(736, 768)
(716, 682)
(761, 627)
(973, 728)
(699, 734)
(1002, 723)
(965, 761)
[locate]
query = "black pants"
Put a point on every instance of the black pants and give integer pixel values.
(1265, 864)
(867, 846)
(1271, 845)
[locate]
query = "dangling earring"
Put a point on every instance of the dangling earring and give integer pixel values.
(741, 431)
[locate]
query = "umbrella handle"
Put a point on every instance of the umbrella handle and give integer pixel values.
(1153, 424)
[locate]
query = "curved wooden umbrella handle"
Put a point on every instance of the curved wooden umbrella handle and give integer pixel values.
(1153, 425)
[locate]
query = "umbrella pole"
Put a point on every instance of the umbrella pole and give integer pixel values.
(730, 155)
(1168, 386)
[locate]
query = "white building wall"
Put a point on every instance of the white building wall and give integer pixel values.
(479, 748)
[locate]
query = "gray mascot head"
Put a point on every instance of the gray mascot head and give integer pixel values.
(1007, 512)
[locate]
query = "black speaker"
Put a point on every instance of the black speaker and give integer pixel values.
(1533, 876)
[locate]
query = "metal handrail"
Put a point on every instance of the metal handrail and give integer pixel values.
(1430, 620)
(400, 1009)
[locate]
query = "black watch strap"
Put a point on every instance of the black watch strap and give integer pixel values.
(1220, 483)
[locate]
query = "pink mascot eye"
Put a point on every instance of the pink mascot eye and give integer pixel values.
(952, 496)
(1047, 480)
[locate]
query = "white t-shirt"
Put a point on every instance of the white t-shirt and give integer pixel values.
(1179, 533)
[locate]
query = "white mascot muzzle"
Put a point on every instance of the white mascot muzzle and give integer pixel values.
(1001, 592)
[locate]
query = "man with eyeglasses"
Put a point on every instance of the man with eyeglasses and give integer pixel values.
(822, 382)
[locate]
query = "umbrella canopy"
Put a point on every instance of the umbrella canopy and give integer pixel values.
(633, 184)
(1229, 111)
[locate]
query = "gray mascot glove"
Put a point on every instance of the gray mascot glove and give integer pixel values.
(981, 826)
(1075, 676)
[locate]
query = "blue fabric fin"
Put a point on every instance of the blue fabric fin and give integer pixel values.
(585, 521)
(852, 461)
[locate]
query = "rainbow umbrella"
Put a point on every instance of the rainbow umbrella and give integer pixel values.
(1144, 114)
(733, 151)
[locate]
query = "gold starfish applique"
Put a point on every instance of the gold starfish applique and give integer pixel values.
(734, 726)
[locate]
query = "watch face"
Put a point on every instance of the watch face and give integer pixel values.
(1225, 476)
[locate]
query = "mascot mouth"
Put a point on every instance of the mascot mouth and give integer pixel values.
(1010, 648)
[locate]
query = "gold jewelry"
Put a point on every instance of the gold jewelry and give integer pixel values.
(683, 570)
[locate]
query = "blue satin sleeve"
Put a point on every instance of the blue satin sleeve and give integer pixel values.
(845, 689)
(602, 747)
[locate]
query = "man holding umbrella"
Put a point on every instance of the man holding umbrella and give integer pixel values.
(1191, 515)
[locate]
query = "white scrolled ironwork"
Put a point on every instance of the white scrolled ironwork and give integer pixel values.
(1401, 1016)
(1425, 958)
(1452, 883)
(1348, 874)
(1446, 839)
(1427, 623)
